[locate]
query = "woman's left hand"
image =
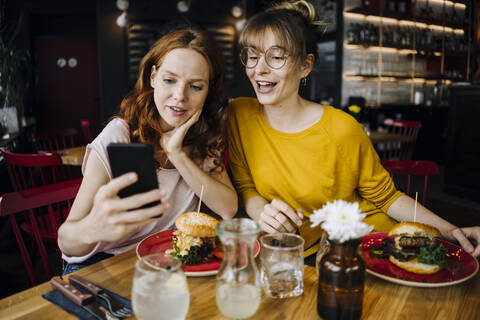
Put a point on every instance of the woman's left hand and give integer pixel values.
(462, 235)
(172, 141)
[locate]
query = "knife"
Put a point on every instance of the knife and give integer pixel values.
(86, 301)
(100, 292)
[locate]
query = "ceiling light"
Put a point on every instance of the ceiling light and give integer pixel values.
(237, 11)
(183, 6)
(240, 24)
(122, 5)
(122, 20)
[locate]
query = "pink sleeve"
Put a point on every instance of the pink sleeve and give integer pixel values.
(116, 131)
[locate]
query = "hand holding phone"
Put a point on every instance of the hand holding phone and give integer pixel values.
(138, 158)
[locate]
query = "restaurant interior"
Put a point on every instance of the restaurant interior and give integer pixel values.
(408, 71)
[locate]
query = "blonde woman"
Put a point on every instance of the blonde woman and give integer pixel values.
(289, 155)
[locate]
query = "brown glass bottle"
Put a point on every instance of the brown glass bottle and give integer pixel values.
(341, 281)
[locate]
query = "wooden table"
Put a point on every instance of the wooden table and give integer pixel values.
(72, 156)
(382, 300)
(385, 137)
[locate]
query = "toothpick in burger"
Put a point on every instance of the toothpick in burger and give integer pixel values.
(195, 238)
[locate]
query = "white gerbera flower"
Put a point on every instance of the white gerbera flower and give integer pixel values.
(341, 220)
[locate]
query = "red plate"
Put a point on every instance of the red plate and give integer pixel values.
(459, 266)
(162, 241)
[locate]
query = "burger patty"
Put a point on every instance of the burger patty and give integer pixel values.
(416, 242)
(389, 249)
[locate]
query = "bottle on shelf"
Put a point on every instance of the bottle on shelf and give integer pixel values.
(371, 4)
(404, 7)
(454, 17)
(390, 6)
(351, 33)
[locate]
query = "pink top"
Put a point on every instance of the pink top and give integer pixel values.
(181, 197)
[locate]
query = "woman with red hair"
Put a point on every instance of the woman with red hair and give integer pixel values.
(178, 106)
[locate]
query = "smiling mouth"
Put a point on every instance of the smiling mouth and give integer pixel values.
(265, 86)
(177, 109)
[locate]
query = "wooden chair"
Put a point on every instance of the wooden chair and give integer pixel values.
(407, 171)
(401, 150)
(56, 140)
(46, 208)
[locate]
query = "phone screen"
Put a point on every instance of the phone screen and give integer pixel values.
(138, 158)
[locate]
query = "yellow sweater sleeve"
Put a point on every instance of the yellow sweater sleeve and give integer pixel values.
(373, 181)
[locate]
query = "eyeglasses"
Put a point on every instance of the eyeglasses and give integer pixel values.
(275, 57)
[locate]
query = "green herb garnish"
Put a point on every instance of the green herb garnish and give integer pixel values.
(435, 256)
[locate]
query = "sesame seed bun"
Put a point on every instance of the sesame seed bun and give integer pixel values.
(412, 227)
(197, 224)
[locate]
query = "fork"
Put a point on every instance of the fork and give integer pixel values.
(115, 308)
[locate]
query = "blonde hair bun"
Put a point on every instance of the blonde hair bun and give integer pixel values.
(302, 6)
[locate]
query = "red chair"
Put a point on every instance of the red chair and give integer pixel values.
(52, 202)
(401, 150)
(33, 170)
(87, 133)
(27, 171)
(408, 170)
(56, 140)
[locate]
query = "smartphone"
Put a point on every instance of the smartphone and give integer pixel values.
(138, 158)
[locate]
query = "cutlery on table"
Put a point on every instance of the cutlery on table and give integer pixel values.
(86, 301)
(115, 308)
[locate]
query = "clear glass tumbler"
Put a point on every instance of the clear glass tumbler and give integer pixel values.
(160, 288)
(281, 257)
(238, 283)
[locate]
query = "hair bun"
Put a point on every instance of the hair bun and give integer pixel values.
(304, 7)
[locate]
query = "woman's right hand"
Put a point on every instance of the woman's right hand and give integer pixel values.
(277, 216)
(112, 218)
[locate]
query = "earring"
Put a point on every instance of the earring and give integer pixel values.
(304, 81)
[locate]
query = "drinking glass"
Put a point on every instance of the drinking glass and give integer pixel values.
(281, 257)
(160, 288)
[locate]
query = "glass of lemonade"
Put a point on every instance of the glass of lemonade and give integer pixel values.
(281, 257)
(160, 288)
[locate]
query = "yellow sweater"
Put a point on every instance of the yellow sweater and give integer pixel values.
(333, 159)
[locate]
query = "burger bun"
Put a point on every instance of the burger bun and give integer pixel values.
(415, 266)
(197, 224)
(411, 228)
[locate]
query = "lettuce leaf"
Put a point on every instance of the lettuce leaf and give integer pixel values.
(432, 255)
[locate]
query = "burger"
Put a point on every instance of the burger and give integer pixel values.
(195, 238)
(414, 248)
